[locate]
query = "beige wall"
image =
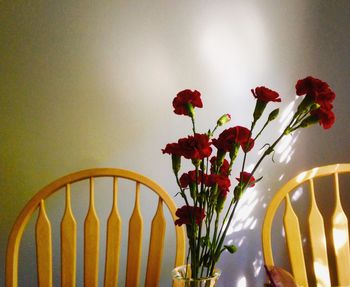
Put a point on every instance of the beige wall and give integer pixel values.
(87, 84)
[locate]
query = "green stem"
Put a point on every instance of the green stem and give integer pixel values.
(259, 133)
(182, 192)
(245, 153)
(226, 215)
(187, 257)
(298, 122)
(192, 241)
(212, 133)
(210, 270)
(218, 248)
(193, 125)
(207, 235)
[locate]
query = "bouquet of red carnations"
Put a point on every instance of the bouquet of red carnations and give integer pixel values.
(206, 188)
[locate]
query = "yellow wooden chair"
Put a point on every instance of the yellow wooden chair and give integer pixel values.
(91, 235)
(317, 233)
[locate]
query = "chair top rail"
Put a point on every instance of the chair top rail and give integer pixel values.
(45, 192)
(301, 178)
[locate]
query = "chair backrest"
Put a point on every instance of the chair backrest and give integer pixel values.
(316, 230)
(68, 234)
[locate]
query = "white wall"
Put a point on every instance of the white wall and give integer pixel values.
(90, 84)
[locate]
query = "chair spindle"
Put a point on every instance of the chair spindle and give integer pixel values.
(340, 232)
(318, 241)
(134, 243)
(68, 244)
(44, 248)
(113, 241)
(91, 242)
(294, 243)
(156, 245)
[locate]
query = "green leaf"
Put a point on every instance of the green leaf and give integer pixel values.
(257, 180)
(231, 248)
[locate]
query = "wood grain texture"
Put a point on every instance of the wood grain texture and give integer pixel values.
(294, 244)
(91, 242)
(68, 244)
(340, 233)
(134, 244)
(318, 241)
(156, 246)
(43, 248)
(113, 241)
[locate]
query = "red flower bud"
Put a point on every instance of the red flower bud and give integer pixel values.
(223, 119)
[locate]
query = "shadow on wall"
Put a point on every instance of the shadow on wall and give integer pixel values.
(245, 229)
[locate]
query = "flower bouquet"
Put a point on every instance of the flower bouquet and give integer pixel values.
(205, 188)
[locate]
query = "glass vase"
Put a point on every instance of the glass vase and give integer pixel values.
(182, 278)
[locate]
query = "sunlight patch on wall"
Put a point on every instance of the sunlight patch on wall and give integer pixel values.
(285, 148)
(254, 224)
(297, 194)
(287, 115)
(241, 241)
(237, 243)
(244, 218)
(227, 50)
(257, 264)
(241, 282)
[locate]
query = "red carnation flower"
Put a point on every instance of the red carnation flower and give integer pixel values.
(265, 95)
(243, 138)
(236, 135)
(244, 177)
(325, 97)
(224, 169)
(185, 97)
(222, 181)
(222, 194)
(186, 214)
(226, 140)
(187, 178)
(319, 92)
(195, 147)
(310, 86)
(172, 148)
(326, 117)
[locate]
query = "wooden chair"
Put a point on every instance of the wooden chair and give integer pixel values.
(316, 230)
(91, 235)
